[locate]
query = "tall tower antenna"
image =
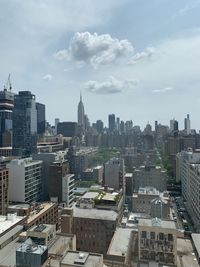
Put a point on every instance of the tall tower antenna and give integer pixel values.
(8, 84)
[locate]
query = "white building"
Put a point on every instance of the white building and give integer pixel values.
(188, 172)
(25, 183)
(68, 189)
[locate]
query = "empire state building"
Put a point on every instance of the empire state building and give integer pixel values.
(81, 114)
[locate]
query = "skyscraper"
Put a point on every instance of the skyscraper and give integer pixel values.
(81, 114)
(6, 122)
(111, 123)
(40, 118)
(24, 124)
(187, 124)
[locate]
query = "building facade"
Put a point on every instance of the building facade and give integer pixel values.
(24, 124)
(6, 118)
(26, 174)
(4, 183)
(40, 118)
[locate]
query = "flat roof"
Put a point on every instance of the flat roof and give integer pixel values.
(196, 240)
(85, 258)
(90, 195)
(34, 215)
(155, 222)
(186, 253)
(11, 233)
(41, 228)
(19, 206)
(5, 224)
(120, 242)
(98, 214)
(8, 254)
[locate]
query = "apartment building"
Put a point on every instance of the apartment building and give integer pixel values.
(157, 241)
(26, 174)
(188, 172)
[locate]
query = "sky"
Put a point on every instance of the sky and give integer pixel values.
(138, 59)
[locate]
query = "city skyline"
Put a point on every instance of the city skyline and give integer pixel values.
(126, 58)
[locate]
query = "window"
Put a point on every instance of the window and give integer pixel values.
(144, 234)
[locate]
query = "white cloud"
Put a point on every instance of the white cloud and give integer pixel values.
(189, 7)
(47, 77)
(112, 86)
(61, 55)
(96, 49)
(163, 90)
(148, 53)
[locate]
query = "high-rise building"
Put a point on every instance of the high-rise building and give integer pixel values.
(173, 125)
(6, 122)
(187, 125)
(25, 183)
(4, 176)
(111, 123)
(99, 126)
(81, 114)
(114, 173)
(24, 124)
(56, 124)
(67, 128)
(40, 118)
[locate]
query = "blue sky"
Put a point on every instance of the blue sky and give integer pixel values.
(139, 59)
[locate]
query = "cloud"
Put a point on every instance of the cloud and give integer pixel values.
(112, 86)
(163, 90)
(96, 49)
(189, 7)
(61, 55)
(48, 77)
(148, 53)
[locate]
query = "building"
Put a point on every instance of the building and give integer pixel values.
(67, 128)
(30, 254)
(85, 259)
(111, 123)
(43, 213)
(6, 118)
(98, 174)
(60, 183)
(42, 234)
(81, 114)
(114, 173)
(47, 159)
(68, 189)
(153, 176)
(188, 172)
(41, 121)
(94, 228)
(56, 124)
(4, 183)
(99, 126)
(120, 249)
(24, 124)
(142, 199)
(187, 126)
(157, 241)
(26, 174)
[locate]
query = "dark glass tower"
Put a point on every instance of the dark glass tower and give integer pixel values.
(111, 123)
(6, 121)
(40, 118)
(24, 124)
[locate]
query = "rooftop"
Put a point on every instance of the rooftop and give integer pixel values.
(9, 221)
(35, 214)
(120, 242)
(90, 195)
(82, 258)
(155, 222)
(196, 241)
(30, 246)
(95, 214)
